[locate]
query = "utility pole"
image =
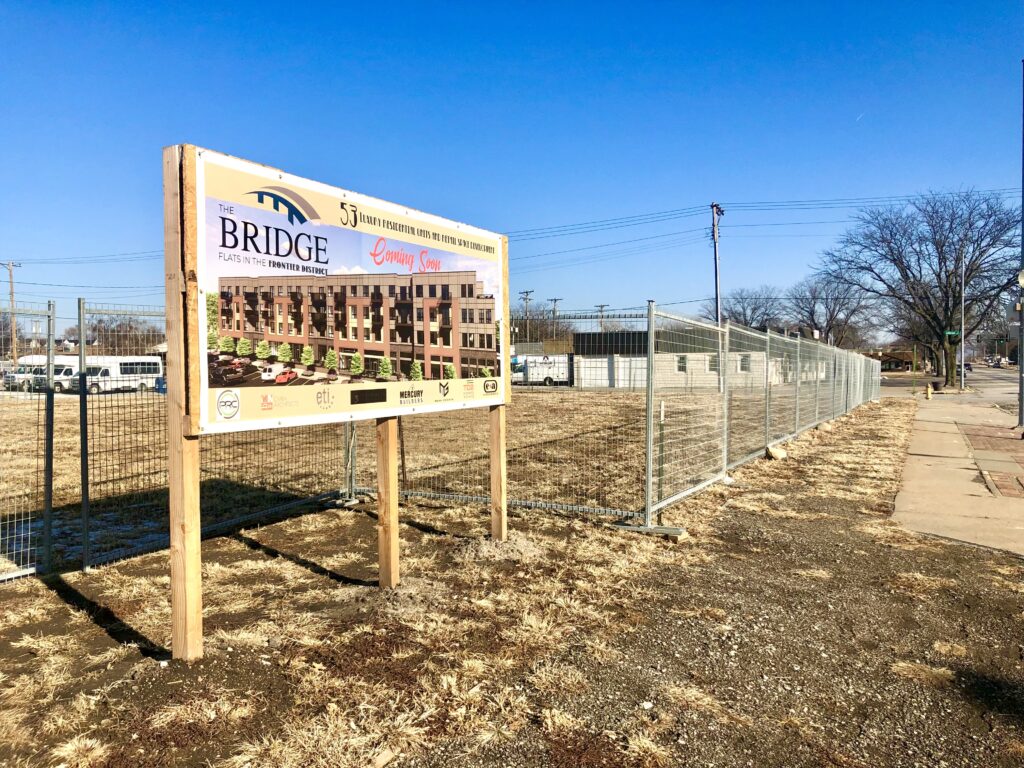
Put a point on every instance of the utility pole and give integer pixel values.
(526, 303)
(716, 211)
(11, 319)
(554, 316)
(600, 312)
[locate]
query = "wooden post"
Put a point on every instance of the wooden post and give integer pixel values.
(499, 475)
(182, 440)
(387, 501)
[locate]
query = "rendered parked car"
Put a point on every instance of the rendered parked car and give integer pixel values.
(267, 373)
(286, 376)
(231, 376)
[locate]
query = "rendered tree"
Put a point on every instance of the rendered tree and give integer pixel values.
(284, 353)
(212, 305)
(331, 360)
(262, 350)
(213, 339)
(307, 357)
(384, 369)
(416, 371)
(355, 364)
(244, 347)
(485, 372)
(449, 371)
(227, 345)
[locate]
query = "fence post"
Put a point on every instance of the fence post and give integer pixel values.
(352, 460)
(649, 462)
(723, 343)
(767, 388)
(48, 444)
(835, 378)
(83, 432)
(796, 415)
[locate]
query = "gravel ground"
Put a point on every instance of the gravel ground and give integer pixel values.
(797, 626)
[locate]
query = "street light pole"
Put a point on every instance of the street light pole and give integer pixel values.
(1020, 297)
(963, 341)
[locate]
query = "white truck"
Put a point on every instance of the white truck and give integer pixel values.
(548, 370)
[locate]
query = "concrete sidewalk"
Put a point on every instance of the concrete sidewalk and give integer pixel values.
(958, 449)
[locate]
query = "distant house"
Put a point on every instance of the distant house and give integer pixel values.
(897, 360)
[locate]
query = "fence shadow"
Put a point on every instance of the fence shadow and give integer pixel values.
(104, 618)
(136, 523)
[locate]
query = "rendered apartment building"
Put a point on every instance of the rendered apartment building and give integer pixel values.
(436, 318)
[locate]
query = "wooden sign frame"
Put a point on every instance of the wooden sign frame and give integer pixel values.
(181, 249)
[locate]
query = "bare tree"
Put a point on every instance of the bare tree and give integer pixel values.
(837, 310)
(911, 257)
(753, 307)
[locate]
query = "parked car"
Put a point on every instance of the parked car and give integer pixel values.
(286, 376)
(307, 373)
(232, 376)
(241, 362)
(267, 373)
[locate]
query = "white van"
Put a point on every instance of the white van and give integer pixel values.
(118, 374)
(541, 369)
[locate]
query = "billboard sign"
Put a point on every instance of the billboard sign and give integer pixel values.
(318, 305)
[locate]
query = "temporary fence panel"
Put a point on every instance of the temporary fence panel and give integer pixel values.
(575, 426)
(747, 382)
(26, 447)
(688, 408)
(245, 476)
(782, 387)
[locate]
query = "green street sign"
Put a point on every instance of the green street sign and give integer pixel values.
(952, 333)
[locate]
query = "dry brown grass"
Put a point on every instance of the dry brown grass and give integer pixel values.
(933, 677)
(919, 585)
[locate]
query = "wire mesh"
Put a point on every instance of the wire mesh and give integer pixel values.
(245, 476)
(689, 407)
(747, 392)
(575, 426)
(782, 386)
(24, 360)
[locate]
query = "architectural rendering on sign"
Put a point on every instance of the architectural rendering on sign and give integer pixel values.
(317, 304)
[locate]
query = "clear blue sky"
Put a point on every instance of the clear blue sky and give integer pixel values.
(531, 116)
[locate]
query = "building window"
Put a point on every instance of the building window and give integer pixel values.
(280, 328)
(330, 332)
(469, 313)
(469, 291)
(490, 341)
(391, 291)
(419, 291)
(433, 314)
(712, 363)
(433, 291)
(394, 336)
(745, 363)
(419, 314)
(487, 316)
(366, 334)
(465, 342)
(366, 313)
(680, 363)
(280, 290)
(462, 290)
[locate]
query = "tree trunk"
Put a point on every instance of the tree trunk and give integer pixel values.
(951, 373)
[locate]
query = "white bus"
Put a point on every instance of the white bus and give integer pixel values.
(117, 374)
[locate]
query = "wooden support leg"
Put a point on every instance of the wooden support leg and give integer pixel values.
(186, 558)
(387, 501)
(499, 475)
